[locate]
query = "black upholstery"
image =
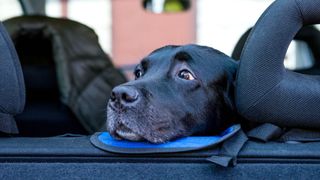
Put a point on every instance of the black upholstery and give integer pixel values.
(308, 34)
(266, 91)
(12, 94)
(75, 157)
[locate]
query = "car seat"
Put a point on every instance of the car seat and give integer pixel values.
(285, 98)
(68, 77)
(12, 94)
(309, 35)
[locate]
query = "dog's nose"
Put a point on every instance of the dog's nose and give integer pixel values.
(124, 94)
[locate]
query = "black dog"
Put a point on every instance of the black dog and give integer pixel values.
(178, 91)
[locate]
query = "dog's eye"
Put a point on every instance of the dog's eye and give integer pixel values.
(185, 74)
(138, 73)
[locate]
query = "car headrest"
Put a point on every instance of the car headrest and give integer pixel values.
(266, 91)
(307, 46)
(12, 93)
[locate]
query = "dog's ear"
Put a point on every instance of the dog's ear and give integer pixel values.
(226, 112)
(225, 87)
(230, 86)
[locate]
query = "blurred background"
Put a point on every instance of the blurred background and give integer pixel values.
(130, 29)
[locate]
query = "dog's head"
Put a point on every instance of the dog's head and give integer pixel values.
(178, 91)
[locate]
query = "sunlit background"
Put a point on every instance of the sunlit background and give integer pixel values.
(127, 32)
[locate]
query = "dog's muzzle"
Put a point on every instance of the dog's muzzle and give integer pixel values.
(121, 98)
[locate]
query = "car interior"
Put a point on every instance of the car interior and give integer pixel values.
(67, 81)
(38, 40)
(43, 115)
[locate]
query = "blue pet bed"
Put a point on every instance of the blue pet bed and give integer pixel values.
(104, 141)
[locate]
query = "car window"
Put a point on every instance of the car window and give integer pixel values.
(9, 9)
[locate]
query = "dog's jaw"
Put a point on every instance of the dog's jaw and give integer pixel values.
(117, 129)
(124, 132)
(120, 126)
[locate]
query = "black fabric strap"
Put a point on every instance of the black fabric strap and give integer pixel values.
(265, 132)
(229, 150)
(270, 132)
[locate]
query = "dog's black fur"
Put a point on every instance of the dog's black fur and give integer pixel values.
(178, 91)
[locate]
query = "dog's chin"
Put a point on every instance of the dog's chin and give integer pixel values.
(125, 133)
(120, 130)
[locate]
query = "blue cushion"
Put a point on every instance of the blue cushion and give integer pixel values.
(104, 141)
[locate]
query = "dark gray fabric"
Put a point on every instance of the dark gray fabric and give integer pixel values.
(265, 132)
(155, 171)
(12, 94)
(85, 73)
(72, 157)
(269, 132)
(229, 150)
(8, 123)
(80, 148)
(300, 135)
(265, 91)
(308, 34)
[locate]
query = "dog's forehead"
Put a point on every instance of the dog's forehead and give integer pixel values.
(160, 59)
(195, 52)
(205, 61)
(162, 55)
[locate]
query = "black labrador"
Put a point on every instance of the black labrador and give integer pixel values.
(178, 91)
